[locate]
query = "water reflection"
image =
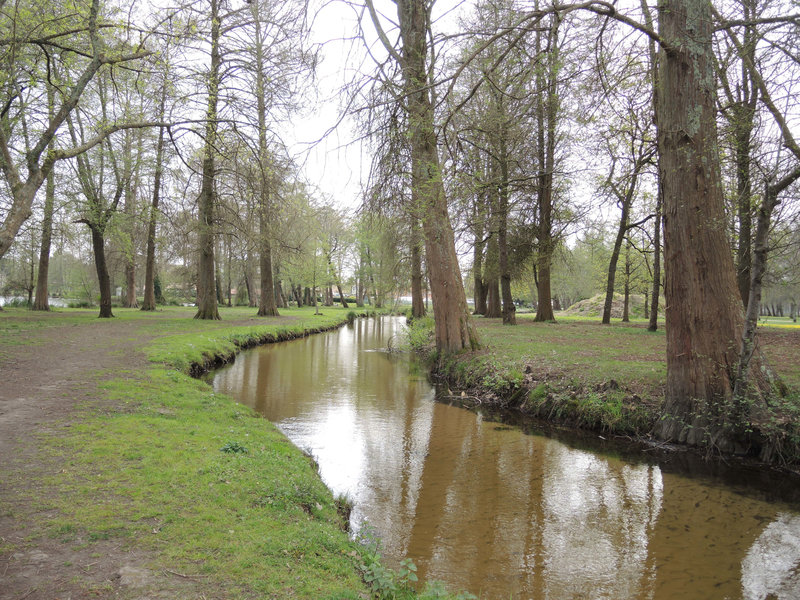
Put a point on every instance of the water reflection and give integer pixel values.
(498, 512)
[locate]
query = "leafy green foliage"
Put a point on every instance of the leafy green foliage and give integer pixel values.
(234, 448)
(391, 584)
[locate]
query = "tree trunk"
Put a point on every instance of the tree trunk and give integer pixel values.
(454, 330)
(417, 302)
(743, 132)
(98, 246)
(653, 72)
(149, 301)
(491, 276)
(131, 167)
(741, 116)
(703, 305)
(741, 387)
(656, 291)
(546, 114)
(267, 306)
(279, 292)
(206, 285)
(41, 301)
(627, 290)
(478, 245)
(612, 263)
(509, 310)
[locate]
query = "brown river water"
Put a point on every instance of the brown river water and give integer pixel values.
(503, 511)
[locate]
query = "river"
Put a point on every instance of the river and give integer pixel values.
(504, 511)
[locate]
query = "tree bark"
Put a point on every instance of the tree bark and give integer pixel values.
(491, 275)
(546, 114)
(454, 330)
(759, 266)
(627, 288)
(41, 301)
(266, 306)
(104, 281)
(653, 72)
(149, 301)
(417, 301)
(741, 114)
(656, 291)
(703, 305)
(509, 310)
(612, 263)
(478, 245)
(206, 283)
(128, 207)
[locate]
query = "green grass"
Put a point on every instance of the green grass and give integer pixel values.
(156, 460)
(603, 377)
(152, 472)
(145, 466)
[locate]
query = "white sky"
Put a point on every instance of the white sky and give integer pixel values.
(337, 165)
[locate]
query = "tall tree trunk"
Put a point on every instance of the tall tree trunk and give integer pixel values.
(509, 310)
(337, 281)
(546, 114)
(280, 297)
(206, 284)
(454, 330)
(267, 306)
(612, 263)
(759, 266)
(741, 116)
(104, 281)
(218, 251)
(491, 275)
(744, 196)
(627, 289)
(654, 79)
(128, 207)
(149, 301)
(656, 291)
(41, 301)
(478, 246)
(703, 305)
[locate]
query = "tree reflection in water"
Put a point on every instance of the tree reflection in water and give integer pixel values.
(499, 512)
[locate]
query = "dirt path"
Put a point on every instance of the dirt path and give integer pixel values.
(41, 383)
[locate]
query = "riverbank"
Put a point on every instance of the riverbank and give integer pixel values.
(124, 477)
(579, 373)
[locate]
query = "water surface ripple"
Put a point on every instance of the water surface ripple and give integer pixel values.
(497, 511)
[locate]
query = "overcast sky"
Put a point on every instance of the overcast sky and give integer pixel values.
(337, 165)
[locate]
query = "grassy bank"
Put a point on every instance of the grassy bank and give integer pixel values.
(581, 373)
(154, 460)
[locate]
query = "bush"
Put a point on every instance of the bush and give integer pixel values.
(420, 334)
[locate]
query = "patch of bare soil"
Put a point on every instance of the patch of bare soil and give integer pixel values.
(41, 384)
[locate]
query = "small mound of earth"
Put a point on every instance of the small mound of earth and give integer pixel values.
(593, 307)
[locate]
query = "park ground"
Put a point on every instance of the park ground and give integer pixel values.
(605, 378)
(123, 477)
